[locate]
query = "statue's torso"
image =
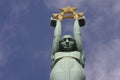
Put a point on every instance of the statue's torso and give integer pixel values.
(67, 66)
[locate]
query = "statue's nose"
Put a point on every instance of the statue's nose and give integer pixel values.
(67, 42)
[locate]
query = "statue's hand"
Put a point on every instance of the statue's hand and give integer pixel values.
(53, 22)
(82, 21)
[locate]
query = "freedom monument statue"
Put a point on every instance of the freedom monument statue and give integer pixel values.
(67, 59)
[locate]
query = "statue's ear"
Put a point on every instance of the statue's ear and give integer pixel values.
(60, 46)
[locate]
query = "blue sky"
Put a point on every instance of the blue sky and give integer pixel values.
(26, 38)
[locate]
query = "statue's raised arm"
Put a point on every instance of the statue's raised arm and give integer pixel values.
(78, 23)
(57, 36)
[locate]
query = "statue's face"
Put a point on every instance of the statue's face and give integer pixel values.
(67, 43)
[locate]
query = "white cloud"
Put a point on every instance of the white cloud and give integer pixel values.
(105, 61)
(115, 73)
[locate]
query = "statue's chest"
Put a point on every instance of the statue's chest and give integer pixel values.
(74, 54)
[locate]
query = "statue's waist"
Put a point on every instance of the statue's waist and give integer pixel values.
(73, 55)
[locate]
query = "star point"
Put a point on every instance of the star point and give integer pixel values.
(68, 9)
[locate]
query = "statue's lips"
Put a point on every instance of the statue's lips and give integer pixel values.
(66, 46)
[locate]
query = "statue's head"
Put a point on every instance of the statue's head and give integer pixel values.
(67, 43)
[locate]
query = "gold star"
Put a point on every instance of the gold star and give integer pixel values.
(68, 12)
(68, 9)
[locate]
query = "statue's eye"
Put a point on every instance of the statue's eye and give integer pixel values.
(70, 39)
(65, 39)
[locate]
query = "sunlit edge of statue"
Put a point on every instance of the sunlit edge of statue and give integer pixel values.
(68, 58)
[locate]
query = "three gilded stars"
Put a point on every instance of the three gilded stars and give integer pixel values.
(68, 10)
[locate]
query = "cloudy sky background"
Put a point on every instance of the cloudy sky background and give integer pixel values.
(26, 38)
